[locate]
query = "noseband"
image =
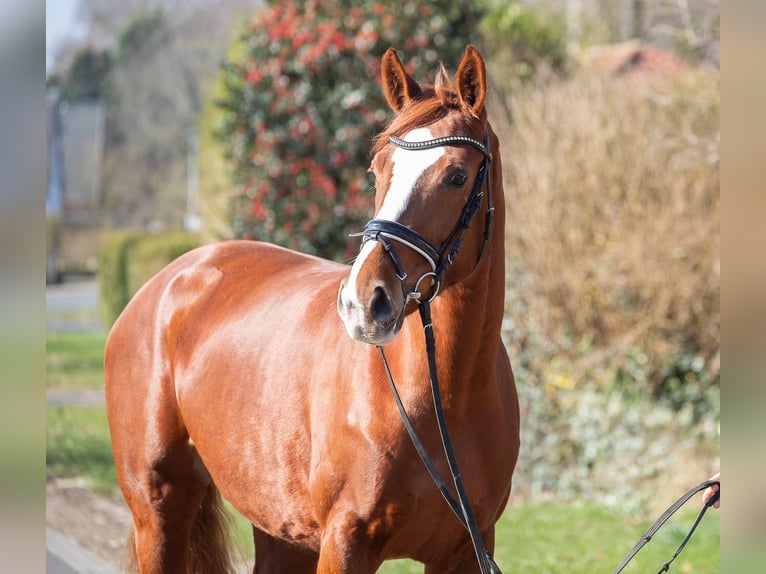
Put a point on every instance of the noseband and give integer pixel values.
(439, 260)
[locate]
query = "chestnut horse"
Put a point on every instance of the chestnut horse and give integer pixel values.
(252, 370)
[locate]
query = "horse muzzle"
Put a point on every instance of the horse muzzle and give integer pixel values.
(373, 318)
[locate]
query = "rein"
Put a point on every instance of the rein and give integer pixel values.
(439, 260)
(647, 536)
(460, 505)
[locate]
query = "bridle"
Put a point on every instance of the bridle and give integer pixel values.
(460, 505)
(439, 259)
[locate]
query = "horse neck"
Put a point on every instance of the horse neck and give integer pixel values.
(478, 301)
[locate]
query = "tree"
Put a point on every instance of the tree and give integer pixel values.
(162, 56)
(521, 39)
(87, 77)
(303, 105)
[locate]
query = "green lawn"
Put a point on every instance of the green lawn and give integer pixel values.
(567, 539)
(75, 360)
(78, 444)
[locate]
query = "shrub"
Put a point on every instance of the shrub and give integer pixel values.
(613, 314)
(153, 252)
(113, 274)
(127, 260)
(600, 444)
(521, 39)
(215, 182)
(303, 106)
(613, 225)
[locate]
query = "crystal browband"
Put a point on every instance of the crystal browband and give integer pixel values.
(438, 142)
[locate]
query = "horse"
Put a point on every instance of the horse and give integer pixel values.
(250, 372)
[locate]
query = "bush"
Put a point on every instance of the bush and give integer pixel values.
(153, 252)
(580, 441)
(113, 274)
(522, 39)
(127, 260)
(303, 106)
(215, 181)
(613, 313)
(613, 226)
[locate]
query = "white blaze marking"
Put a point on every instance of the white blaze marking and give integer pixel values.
(409, 165)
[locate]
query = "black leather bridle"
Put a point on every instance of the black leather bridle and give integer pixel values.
(458, 501)
(439, 259)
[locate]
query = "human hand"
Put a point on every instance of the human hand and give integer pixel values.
(712, 489)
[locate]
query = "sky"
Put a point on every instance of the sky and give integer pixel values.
(61, 25)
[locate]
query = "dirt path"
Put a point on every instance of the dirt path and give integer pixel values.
(98, 524)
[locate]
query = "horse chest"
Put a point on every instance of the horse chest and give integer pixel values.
(374, 473)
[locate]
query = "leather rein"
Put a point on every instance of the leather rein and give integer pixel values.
(647, 536)
(389, 232)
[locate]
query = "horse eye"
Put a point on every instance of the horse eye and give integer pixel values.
(458, 179)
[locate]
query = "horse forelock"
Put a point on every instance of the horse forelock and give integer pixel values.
(443, 86)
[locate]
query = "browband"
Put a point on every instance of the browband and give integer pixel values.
(442, 141)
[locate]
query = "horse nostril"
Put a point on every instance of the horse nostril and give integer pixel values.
(380, 306)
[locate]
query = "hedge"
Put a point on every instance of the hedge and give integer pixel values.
(128, 259)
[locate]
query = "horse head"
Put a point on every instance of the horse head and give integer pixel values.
(431, 177)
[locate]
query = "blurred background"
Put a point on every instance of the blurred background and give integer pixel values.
(171, 124)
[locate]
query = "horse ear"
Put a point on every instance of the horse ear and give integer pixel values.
(472, 80)
(398, 86)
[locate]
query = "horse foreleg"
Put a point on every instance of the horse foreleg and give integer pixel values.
(274, 556)
(345, 548)
(464, 560)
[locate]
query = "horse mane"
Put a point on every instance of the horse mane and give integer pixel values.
(435, 102)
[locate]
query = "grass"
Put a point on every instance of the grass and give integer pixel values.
(77, 438)
(78, 445)
(588, 538)
(75, 360)
(567, 539)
